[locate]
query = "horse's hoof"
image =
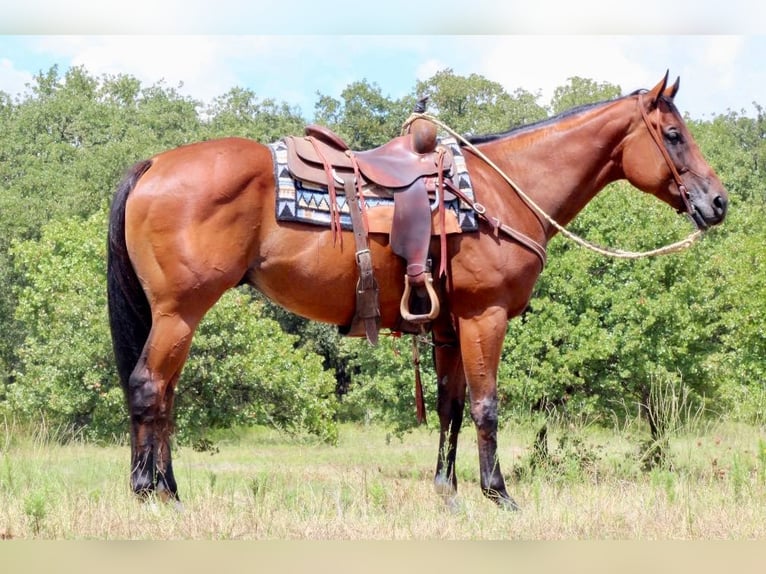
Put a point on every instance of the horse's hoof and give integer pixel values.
(452, 504)
(508, 504)
(501, 498)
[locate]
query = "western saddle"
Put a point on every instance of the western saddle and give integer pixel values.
(409, 166)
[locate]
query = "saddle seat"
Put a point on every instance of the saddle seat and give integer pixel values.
(394, 165)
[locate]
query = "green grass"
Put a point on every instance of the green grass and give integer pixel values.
(260, 485)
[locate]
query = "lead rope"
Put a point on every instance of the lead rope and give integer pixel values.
(607, 251)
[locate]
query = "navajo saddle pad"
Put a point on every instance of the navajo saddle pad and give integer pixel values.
(305, 202)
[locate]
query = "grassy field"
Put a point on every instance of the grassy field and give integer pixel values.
(259, 485)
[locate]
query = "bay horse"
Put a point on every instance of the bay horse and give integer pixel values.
(194, 221)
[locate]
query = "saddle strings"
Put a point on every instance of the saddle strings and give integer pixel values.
(606, 251)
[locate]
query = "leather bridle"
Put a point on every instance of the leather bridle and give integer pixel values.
(656, 133)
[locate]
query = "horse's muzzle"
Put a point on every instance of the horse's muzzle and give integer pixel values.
(706, 211)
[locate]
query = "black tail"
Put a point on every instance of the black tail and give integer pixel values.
(129, 315)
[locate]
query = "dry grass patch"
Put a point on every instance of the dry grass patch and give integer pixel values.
(368, 487)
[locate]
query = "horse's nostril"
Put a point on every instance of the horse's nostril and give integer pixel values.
(719, 202)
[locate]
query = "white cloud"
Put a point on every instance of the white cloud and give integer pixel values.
(545, 62)
(12, 81)
(721, 53)
(203, 64)
(428, 68)
(717, 72)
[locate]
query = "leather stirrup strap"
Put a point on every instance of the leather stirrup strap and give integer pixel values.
(359, 189)
(367, 308)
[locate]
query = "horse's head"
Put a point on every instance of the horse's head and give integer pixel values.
(661, 157)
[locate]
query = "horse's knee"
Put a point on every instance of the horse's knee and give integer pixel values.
(484, 413)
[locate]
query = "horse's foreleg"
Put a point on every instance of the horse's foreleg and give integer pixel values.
(150, 400)
(481, 341)
(450, 405)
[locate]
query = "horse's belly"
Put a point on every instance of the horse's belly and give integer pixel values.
(309, 275)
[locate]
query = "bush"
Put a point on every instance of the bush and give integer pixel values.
(242, 368)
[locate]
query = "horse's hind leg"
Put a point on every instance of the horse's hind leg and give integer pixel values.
(450, 406)
(150, 400)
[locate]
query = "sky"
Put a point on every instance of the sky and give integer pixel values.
(291, 51)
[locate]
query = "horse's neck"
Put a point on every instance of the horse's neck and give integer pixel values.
(562, 165)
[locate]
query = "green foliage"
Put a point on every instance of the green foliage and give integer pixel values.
(735, 146)
(244, 370)
(383, 383)
(598, 334)
(476, 105)
(736, 361)
(65, 372)
(239, 112)
(579, 91)
(62, 150)
(36, 511)
(602, 329)
(364, 117)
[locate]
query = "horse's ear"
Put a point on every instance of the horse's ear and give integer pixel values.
(671, 92)
(657, 91)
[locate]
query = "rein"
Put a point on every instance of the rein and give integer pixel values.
(480, 210)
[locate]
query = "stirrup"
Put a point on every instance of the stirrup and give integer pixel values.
(434, 299)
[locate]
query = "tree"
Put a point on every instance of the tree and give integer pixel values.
(599, 331)
(62, 150)
(579, 91)
(65, 371)
(242, 370)
(239, 112)
(603, 331)
(364, 117)
(736, 146)
(737, 360)
(382, 388)
(476, 105)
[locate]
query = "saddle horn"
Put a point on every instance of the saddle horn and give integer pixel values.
(422, 131)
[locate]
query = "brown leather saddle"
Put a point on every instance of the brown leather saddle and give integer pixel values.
(409, 166)
(395, 165)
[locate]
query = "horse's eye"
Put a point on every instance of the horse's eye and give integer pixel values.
(673, 137)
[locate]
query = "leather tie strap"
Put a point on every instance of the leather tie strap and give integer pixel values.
(335, 225)
(498, 225)
(442, 216)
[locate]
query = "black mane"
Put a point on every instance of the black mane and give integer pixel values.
(479, 139)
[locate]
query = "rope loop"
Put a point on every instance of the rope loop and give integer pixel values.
(606, 251)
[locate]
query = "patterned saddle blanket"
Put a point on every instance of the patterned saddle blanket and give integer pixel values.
(307, 202)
